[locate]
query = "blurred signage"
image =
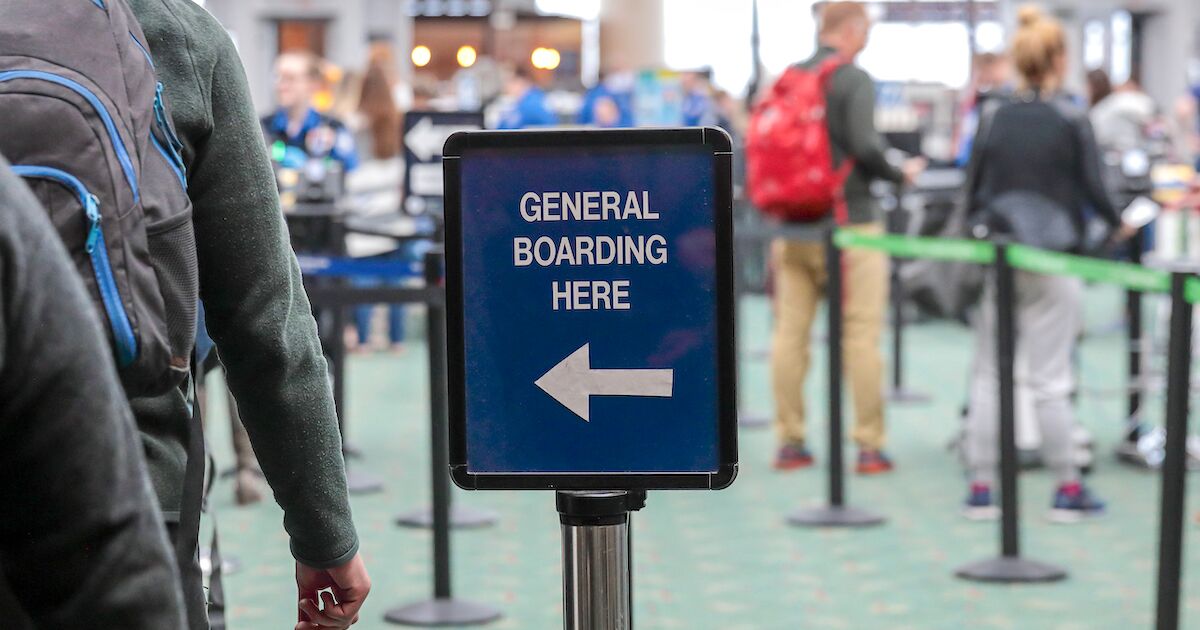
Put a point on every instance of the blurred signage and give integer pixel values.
(449, 8)
(424, 135)
(911, 12)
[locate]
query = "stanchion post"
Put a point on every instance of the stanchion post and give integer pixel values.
(357, 480)
(899, 393)
(1174, 468)
(597, 558)
(1129, 451)
(459, 517)
(746, 419)
(443, 609)
(1009, 567)
(836, 513)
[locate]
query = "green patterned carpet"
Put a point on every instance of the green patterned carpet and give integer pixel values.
(727, 560)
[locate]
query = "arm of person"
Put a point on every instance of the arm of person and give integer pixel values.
(81, 539)
(1091, 175)
(863, 142)
(260, 318)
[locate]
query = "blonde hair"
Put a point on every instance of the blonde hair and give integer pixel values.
(1037, 47)
(836, 14)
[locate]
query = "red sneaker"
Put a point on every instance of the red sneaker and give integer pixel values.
(792, 457)
(873, 463)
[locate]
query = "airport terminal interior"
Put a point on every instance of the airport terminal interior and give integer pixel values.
(922, 273)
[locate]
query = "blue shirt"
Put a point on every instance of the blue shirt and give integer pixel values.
(699, 110)
(623, 101)
(275, 128)
(529, 111)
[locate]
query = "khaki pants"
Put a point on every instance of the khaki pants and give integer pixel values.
(800, 278)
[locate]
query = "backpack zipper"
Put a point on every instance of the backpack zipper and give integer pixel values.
(109, 125)
(174, 155)
(97, 251)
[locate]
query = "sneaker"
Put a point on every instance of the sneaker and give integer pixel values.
(873, 463)
(979, 505)
(1073, 502)
(793, 457)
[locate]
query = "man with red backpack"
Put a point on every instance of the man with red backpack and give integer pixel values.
(812, 159)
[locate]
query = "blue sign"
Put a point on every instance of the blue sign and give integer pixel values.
(590, 309)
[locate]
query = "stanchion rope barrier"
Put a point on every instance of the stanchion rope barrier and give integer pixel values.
(1024, 257)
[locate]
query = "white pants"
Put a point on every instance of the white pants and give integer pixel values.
(1048, 314)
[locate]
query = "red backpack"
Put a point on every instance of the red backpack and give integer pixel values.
(789, 157)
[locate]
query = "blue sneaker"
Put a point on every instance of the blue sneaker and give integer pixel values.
(979, 505)
(1073, 503)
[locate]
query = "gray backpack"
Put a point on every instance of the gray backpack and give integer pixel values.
(82, 119)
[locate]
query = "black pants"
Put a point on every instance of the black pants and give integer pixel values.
(195, 598)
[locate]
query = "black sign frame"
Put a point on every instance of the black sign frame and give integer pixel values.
(715, 140)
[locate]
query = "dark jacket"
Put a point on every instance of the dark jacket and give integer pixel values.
(850, 115)
(254, 303)
(1043, 146)
(81, 539)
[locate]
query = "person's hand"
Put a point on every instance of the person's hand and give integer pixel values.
(1123, 233)
(912, 168)
(349, 584)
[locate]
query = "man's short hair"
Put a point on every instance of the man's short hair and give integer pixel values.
(835, 15)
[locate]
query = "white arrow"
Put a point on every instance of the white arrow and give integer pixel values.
(573, 382)
(426, 140)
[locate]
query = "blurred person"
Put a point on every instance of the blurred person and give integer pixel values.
(381, 122)
(699, 109)
(800, 265)
(296, 123)
(81, 540)
(1099, 86)
(377, 104)
(605, 113)
(1123, 119)
(259, 317)
(528, 108)
(618, 89)
(992, 79)
(1035, 159)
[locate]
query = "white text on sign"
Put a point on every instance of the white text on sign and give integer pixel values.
(589, 250)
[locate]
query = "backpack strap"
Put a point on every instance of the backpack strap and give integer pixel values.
(825, 71)
(192, 501)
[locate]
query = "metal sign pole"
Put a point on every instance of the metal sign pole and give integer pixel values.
(443, 609)
(1174, 469)
(597, 558)
(1009, 566)
(836, 513)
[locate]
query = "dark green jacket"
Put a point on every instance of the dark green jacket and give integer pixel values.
(81, 540)
(255, 306)
(850, 115)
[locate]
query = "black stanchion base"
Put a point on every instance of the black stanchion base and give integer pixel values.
(1010, 571)
(749, 420)
(835, 516)
(905, 396)
(359, 482)
(461, 517)
(436, 613)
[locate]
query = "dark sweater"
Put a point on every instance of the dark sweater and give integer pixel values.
(1044, 146)
(255, 306)
(850, 115)
(81, 542)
